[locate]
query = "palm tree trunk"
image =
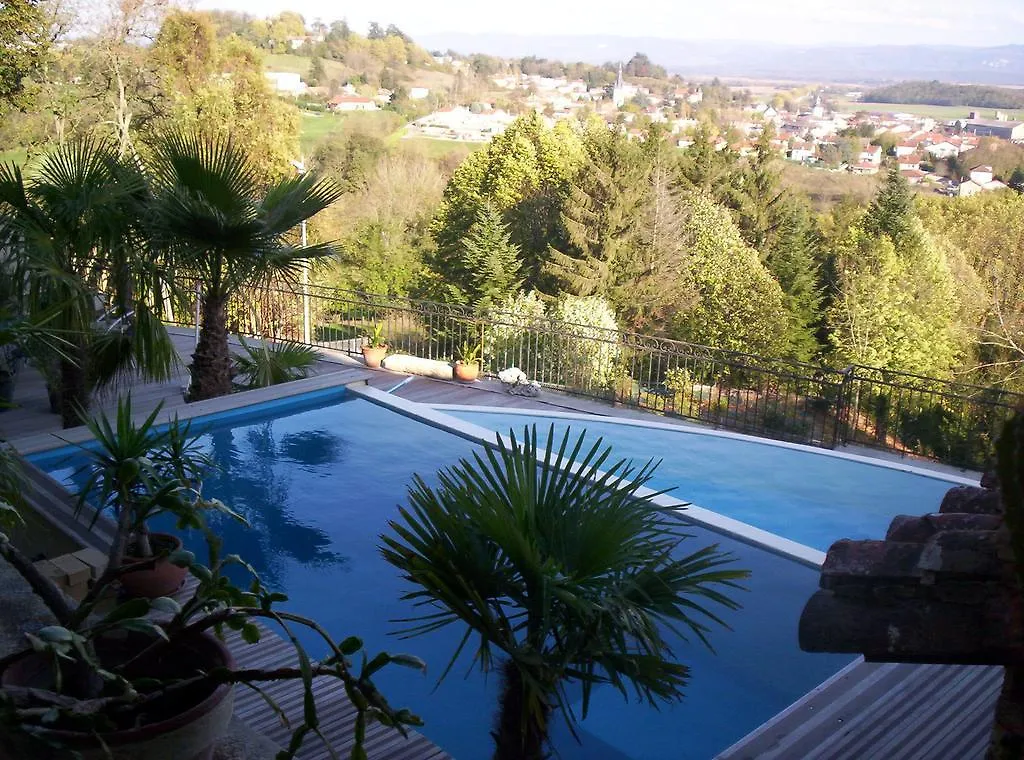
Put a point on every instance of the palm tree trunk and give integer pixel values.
(518, 734)
(211, 362)
(74, 388)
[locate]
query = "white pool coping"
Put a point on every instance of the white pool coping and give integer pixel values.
(435, 416)
(696, 430)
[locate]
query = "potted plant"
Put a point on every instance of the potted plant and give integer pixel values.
(375, 346)
(150, 679)
(136, 473)
(466, 367)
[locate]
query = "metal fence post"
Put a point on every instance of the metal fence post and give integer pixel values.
(843, 408)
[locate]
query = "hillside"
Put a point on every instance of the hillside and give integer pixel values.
(869, 64)
(412, 76)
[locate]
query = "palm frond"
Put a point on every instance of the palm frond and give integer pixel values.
(549, 553)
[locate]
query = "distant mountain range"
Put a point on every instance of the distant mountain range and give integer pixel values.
(852, 64)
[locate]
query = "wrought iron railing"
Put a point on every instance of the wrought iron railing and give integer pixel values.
(938, 419)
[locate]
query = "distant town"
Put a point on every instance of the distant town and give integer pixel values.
(809, 130)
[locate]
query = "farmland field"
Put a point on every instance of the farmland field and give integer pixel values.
(944, 113)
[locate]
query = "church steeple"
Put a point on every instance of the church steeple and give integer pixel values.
(618, 80)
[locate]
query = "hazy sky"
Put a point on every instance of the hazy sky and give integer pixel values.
(994, 22)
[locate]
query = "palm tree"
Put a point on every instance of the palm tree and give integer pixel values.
(72, 232)
(216, 220)
(564, 570)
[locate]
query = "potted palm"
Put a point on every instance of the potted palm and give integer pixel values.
(150, 679)
(375, 346)
(466, 366)
(562, 572)
(72, 230)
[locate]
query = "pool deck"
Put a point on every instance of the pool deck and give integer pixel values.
(883, 711)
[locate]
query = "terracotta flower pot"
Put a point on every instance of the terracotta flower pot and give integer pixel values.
(184, 730)
(163, 579)
(374, 355)
(466, 372)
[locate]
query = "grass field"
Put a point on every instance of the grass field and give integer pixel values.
(944, 113)
(17, 155)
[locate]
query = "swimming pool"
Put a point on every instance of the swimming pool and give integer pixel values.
(319, 477)
(808, 495)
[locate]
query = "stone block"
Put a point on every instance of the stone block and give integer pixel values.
(859, 561)
(973, 500)
(76, 572)
(51, 571)
(94, 558)
(963, 552)
(905, 528)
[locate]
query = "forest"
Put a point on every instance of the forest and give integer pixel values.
(937, 93)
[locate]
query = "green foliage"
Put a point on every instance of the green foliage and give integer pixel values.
(76, 229)
(562, 570)
(583, 345)
(218, 222)
(490, 262)
(512, 327)
(376, 338)
(739, 306)
(894, 310)
(892, 214)
(24, 39)
(601, 215)
(219, 88)
(791, 260)
(274, 362)
(524, 174)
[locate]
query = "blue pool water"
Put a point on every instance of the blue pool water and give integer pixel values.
(807, 496)
(319, 479)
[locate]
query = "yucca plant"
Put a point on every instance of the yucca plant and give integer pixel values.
(214, 217)
(271, 363)
(561, 572)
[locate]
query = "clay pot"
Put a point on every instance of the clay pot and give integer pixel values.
(163, 578)
(185, 730)
(373, 356)
(466, 372)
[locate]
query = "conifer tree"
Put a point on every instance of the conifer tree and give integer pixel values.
(891, 213)
(657, 282)
(760, 203)
(601, 215)
(791, 260)
(491, 262)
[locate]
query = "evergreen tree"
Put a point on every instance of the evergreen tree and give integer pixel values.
(490, 260)
(524, 173)
(891, 213)
(601, 216)
(657, 282)
(709, 171)
(761, 200)
(791, 260)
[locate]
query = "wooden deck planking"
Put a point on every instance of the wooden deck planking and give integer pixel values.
(884, 711)
(336, 713)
